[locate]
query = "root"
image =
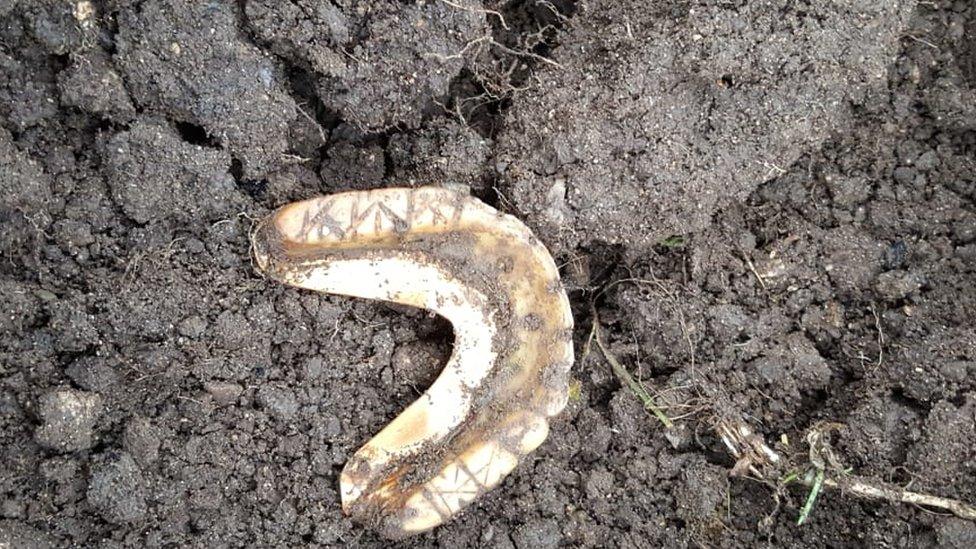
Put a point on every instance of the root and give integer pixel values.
(877, 490)
(881, 336)
(500, 62)
(501, 18)
(756, 459)
(873, 489)
(748, 448)
(753, 454)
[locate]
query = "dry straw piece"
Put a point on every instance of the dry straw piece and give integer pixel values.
(486, 273)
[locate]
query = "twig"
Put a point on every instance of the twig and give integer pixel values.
(752, 267)
(922, 41)
(636, 387)
(588, 346)
(314, 123)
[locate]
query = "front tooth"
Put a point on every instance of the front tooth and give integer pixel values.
(493, 280)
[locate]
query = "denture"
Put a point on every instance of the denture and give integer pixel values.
(496, 283)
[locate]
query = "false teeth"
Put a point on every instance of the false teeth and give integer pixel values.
(495, 282)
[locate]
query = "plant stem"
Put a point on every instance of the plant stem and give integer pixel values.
(635, 386)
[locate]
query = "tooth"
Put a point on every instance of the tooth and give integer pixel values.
(494, 281)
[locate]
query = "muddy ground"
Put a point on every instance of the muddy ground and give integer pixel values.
(769, 207)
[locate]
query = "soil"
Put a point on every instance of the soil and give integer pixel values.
(769, 206)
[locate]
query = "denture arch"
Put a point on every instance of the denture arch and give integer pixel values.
(486, 273)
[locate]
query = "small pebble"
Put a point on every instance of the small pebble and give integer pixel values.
(314, 368)
(224, 393)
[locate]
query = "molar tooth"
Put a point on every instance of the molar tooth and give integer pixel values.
(494, 281)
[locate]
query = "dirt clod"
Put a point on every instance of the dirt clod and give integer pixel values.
(191, 61)
(664, 117)
(92, 84)
(141, 440)
(117, 488)
(953, 533)
(280, 402)
(701, 495)
(157, 176)
(537, 534)
(379, 64)
(895, 285)
(18, 534)
(68, 419)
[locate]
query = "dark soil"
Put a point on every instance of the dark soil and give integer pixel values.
(770, 205)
